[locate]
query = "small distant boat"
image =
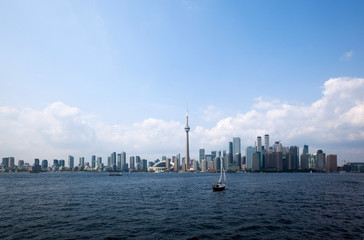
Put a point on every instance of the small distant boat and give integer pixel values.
(221, 184)
(115, 174)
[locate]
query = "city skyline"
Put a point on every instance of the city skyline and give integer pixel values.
(82, 79)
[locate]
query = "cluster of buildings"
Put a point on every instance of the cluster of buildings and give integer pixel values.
(260, 157)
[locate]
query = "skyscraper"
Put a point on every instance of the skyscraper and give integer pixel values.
(71, 161)
(202, 155)
(93, 161)
(331, 163)
(305, 149)
(123, 161)
(131, 163)
(236, 146)
(187, 129)
(259, 144)
(266, 142)
(249, 153)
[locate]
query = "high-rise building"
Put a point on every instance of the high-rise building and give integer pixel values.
(187, 129)
(44, 164)
(5, 162)
(36, 161)
(93, 161)
(304, 161)
(249, 154)
(331, 162)
(138, 163)
(202, 155)
(62, 163)
(168, 163)
(256, 165)
(321, 160)
(131, 163)
(204, 166)
(231, 148)
(71, 161)
(208, 158)
(113, 159)
(237, 160)
(305, 149)
(176, 164)
(81, 162)
(236, 146)
(213, 153)
(294, 164)
(11, 162)
(123, 161)
(259, 144)
(99, 161)
(266, 142)
(119, 161)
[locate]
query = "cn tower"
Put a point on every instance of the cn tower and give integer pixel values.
(187, 129)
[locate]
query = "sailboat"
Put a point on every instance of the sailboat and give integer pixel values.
(221, 184)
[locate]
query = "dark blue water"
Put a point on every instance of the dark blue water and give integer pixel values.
(181, 206)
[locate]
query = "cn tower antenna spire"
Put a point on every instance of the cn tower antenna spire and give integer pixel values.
(187, 129)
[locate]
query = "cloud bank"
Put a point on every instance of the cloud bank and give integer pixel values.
(334, 123)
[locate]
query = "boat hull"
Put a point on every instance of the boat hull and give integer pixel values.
(218, 188)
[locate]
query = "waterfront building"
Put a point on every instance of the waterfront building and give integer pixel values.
(5, 162)
(144, 165)
(294, 164)
(357, 167)
(204, 166)
(217, 164)
(304, 161)
(93, 161)
(131, 163)
(81, 162)
(331, 164)
(138, 164)
(212, 166)
(62, 163)
(176, 164)
(236, 146)
(266, 142)
(259, 144)
(123, 161)
(213, 153)
(36, 161)
(202, 155)
(321, 160)
(168, 163)
(237, 160)
(187, 129)
(277, 147)
(71, 161)
(44, 164)
(305, 148)
(99, 161)
(20, 163)
(195, 165)
(231, 148)
(229, 160)
(249, 153)
(11, 162)
(113, 159)
(312, 161)
(256, 165)
(118, 164)
(208, 158)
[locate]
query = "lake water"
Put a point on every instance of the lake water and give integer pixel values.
(82, 205)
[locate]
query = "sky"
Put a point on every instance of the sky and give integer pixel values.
(93, 77)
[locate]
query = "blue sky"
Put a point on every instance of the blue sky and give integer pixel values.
(121, 63)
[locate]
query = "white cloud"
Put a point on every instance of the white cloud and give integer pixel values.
(335, 123)
(347, 55)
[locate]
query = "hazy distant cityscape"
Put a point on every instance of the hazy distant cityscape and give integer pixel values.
(261, 157)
